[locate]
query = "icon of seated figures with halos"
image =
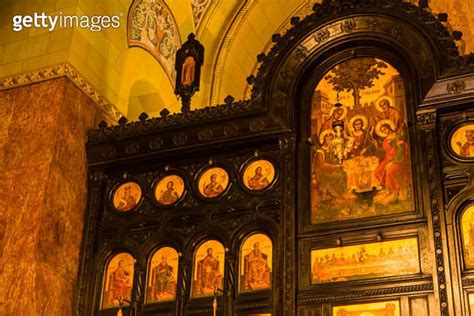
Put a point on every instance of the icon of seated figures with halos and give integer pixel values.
(256, 269)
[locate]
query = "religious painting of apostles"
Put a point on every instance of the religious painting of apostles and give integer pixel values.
(127, 196)
(367, 261)
(388, 308)
(467, 227)
(118, 281)
(169, 189)
(213, 182)
(162, 276)
(361, 161)
(258, 175)
(208, 269)
(256, 263)
(462, 141)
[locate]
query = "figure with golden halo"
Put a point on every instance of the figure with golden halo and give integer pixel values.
(163, 276)
(128, 201)
(119, 284)
(338, 113)
(467, 148)
(213, 188)
(208, 276)
(168, 196)
(256, 269)
(328, 175)
(363, 143)
(393, 172)
(259, 181)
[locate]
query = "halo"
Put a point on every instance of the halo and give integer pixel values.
(365, 122)
(377, 103)
(323, 134)
(344, 113)
(383, 122)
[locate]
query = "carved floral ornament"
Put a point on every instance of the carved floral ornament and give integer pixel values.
(151, 25)
(258, 175)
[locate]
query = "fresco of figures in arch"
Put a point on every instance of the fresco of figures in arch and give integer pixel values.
(162, 276)
(208, 269)
(467, 227)
(361, 164)
(367, 261)
(256, 263)
(118, 280)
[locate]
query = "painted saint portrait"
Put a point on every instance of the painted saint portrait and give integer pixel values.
(373, 260)
(361, 161)
(118, 280)
(208, 269)
(462, 141)
(258, 175)
(169, 189)
(187, 73)
(388, 308)
(467, 223)
(162, 276)
(256, 263)
(213, 182)
(127, 196)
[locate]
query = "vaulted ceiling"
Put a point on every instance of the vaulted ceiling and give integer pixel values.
(136, 80)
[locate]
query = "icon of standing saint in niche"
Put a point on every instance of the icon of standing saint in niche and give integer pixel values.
(127, 196)
(256, 265)
(213, 182)
(259, 174)
(208, 269)
(187, 74)
(169, 190)
(118, 280)
(163, 275)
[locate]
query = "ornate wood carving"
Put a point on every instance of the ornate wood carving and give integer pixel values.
(268, 125)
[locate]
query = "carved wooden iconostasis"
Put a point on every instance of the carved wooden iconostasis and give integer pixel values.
(342, 187)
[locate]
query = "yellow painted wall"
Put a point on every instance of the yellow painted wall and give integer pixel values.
(233, 33)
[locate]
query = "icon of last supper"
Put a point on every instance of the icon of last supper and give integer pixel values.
(361, 164)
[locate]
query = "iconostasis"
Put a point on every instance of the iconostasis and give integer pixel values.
(343, 187)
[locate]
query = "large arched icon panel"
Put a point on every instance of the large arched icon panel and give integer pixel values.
(256, 267)
(361, 161)
(118, 281)
(467, 228)
(208, 273)
(162, 276)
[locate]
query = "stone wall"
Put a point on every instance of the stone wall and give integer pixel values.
(43, 195)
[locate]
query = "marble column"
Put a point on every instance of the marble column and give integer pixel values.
(42, 195)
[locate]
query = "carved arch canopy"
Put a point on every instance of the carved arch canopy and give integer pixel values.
(395, 27)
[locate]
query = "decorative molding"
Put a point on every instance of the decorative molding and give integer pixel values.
(223, 50)
(365, 293)
(437, 220)
(456, 87)
(57, 71)
(425, 118)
